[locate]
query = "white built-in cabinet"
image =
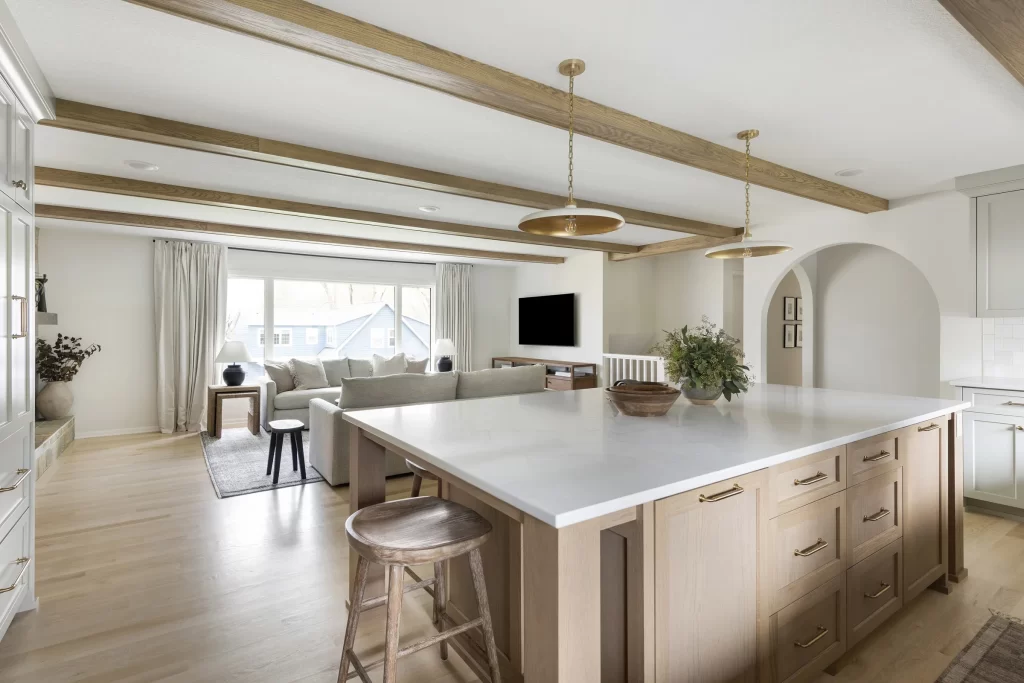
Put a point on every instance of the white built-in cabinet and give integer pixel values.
(994, 446)
(999, 223)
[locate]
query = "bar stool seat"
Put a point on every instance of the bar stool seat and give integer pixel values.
(407, 532)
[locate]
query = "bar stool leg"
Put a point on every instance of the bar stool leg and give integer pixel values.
(277, 457)
(295, 453)
(395, 591)
(417, 482)
(441, 601)
(476, 566)
(270, 458)
(353, 617)
(302, 455)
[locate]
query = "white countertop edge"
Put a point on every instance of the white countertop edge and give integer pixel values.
(998, 383)
(607, 507)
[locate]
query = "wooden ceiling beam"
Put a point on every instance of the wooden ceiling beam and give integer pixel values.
(54, 177)
(130, 126)
(67, 213)
(673, 246)
(317, 30)
(998, 25)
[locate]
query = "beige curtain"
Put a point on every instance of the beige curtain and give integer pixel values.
(455, 310)
(190, 283)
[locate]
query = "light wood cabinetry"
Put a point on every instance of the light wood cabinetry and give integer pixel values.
(925, 450)
(707, 548)
(808, 547)
(875, 588)
(870, 457)
(876, 514)
(809, 634)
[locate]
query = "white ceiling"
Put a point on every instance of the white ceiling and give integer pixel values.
(896, 87)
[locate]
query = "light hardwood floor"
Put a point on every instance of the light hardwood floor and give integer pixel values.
(144, 575)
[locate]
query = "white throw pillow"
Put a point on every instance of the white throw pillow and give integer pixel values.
(308, 374)
(336, 370)
(281, 374)
(416, 366)
(389, 366)
(360, 367)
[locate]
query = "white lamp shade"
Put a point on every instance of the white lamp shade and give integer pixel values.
(233, 352)
(444, 347)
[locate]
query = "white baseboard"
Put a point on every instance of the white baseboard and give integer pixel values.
(116, 432)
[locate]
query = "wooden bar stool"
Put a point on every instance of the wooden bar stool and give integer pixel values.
(278, 430)
(415, 531)
(418, 475)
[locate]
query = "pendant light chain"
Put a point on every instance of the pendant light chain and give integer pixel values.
(570, 221)
(746, 189)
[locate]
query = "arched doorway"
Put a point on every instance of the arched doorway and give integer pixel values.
(870, 323)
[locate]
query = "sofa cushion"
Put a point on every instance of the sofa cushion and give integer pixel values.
(397, 390)
(308, 374)
(388, 366)
(501, 381)
(360, 367)
(416, 367)
(280, 373)
(335, 369)
(299, 399)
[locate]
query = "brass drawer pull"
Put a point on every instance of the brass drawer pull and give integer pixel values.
(929, 428)
(872, 596)
(1014, 403)
(878, 515)
(715, 497)
(811, 549)
(24, 317)
(875, 458)
(24, 562)
(820, 476)
(822, 632)
(24, 474)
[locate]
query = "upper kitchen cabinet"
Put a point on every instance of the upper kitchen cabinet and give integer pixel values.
(22, 164)
(1000, 250)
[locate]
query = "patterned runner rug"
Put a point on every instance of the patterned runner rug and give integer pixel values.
(996, 655)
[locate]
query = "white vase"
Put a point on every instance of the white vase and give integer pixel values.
(55, 400)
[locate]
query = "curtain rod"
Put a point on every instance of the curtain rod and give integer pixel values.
(292, 253)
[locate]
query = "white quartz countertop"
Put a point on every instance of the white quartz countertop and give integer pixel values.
(568, 456)
(1004, 383)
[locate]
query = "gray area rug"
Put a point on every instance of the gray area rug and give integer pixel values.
(996, 655)
(237, 463)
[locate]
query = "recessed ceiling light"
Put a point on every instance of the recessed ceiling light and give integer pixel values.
(849, 172)
(430, 209)
(141, 165)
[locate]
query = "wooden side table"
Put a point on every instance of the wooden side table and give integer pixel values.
(215, 396)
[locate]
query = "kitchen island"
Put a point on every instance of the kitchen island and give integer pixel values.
(726, 542)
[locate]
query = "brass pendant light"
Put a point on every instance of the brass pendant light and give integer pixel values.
(747, 248)
(570, 220)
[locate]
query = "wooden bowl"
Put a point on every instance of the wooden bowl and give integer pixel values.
(642, 400)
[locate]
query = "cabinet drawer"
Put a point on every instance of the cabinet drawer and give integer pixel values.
(14, 570)
(995, 401)
(805, 480)
(810, 634)
(876, 514)
(875, 588)
(16, 476)
(870, 457)
(558, 383)
(808, 547)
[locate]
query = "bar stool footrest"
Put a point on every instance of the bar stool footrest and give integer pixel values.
(382, 599)
(360, 670)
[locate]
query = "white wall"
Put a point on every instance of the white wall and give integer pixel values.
(785, 366)
(931, 231)
(687, 286)
(101, 288)
(629, 306)
(492, 313)
(581, 274)
(877, 323)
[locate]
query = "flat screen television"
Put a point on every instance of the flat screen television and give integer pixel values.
(547, 320)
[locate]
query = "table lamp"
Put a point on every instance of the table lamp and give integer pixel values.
(444, 349)
(233, 353)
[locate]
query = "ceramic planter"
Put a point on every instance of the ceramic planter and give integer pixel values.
(702, 397)
(55, 401)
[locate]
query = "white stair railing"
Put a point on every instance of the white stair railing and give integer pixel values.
(628, 366)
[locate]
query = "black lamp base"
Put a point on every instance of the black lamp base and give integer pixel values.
(444, 364)
(234, 375)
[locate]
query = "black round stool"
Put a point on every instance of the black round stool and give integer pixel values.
(278, 430)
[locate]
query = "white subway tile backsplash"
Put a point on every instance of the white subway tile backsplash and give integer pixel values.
(1002, 347)
(988, 326)
(988, 348)
(1003, 330)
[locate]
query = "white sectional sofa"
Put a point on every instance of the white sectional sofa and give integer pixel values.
(329, 433)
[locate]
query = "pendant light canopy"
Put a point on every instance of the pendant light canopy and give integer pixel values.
(747, 248)
(570, 220)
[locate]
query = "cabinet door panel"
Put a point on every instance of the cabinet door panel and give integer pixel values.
(925, 449)
(1000, 247)
(990, 454)
(23, 164)
(708, 545)
(21, 299)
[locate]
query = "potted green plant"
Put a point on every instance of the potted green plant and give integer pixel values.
(704, 362)
(57, 365)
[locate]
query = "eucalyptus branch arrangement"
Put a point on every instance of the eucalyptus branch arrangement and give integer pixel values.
(704, 358)
(62, 361)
